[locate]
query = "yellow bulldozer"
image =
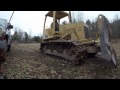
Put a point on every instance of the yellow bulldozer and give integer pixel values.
(73, 41)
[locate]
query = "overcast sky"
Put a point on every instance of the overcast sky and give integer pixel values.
(33, 21)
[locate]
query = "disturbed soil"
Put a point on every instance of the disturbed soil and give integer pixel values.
(26, 62)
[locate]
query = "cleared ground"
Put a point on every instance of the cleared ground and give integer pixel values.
(26, 62)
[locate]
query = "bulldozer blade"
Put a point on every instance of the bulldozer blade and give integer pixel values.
(107, 51)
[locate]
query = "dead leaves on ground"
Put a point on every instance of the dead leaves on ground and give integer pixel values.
(26, 62)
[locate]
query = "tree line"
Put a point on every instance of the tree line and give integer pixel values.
(23, 37)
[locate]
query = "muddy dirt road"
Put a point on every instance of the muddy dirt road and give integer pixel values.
(26, 62)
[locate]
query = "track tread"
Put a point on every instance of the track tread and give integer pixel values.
(69, 48)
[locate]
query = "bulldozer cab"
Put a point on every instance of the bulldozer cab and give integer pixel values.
(71, 31)
(53, 30)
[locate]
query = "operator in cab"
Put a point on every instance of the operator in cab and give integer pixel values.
(56, 25)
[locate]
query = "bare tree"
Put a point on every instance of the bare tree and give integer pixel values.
(116, 17)
(77, 17)
(80, 17)
(26, 37)
(15, 36)
(21, 34)
(30, 34)
(115, 25)
(18, 34)
(73, 17)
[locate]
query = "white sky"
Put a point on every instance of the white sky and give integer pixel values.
(33, 21)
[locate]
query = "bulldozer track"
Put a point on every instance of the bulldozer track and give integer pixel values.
(72, 52)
